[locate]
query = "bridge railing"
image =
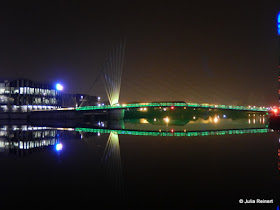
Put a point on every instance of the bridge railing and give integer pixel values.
(175, 104)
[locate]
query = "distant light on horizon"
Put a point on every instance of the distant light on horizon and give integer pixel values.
(59, 87)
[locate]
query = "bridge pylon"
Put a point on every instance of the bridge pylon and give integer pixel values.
(112, 72)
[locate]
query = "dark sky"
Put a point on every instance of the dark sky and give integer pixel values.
(224, 53)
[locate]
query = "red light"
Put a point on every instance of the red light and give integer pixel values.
(275, 111)
(172, 107)
(172, 130)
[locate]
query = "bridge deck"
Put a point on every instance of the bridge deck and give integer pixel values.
(190, 105)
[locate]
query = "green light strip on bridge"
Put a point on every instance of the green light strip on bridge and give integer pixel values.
(191, 105)
(163, 133)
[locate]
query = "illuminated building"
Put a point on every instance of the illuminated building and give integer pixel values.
(24, 95)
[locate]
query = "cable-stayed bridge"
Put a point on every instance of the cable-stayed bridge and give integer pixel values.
(111, 74)
(174, 104)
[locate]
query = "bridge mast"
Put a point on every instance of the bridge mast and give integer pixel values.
(112, 73)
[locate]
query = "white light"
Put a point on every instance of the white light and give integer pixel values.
(59, 87)
(215, 119)
(224, 116)
(58, 147)
(166, 119)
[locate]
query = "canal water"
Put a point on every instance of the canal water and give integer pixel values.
(183, 163)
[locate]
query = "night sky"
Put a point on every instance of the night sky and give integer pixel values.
(224, 53)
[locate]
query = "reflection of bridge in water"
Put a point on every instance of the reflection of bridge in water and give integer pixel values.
(183, 133)
(27, 138)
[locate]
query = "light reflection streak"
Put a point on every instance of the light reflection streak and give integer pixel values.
(111, 163)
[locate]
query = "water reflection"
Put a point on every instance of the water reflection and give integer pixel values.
(111, 164)
(198, 121)
(23, 139)
(178, 133)
(99, 148)
(19, 138)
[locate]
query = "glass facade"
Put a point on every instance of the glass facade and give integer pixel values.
(24, 95)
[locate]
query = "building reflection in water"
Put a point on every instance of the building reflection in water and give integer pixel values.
(23, 139)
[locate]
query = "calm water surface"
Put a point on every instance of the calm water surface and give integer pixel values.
(96, 164)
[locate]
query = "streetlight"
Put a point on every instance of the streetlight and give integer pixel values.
(59, 87)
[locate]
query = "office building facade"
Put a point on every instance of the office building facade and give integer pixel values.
(24, 95)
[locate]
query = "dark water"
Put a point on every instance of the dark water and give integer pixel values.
(100, 167)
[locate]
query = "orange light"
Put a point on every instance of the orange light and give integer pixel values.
(275, 111)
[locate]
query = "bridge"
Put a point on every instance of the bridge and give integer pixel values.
(174, 104)
(111, 73)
